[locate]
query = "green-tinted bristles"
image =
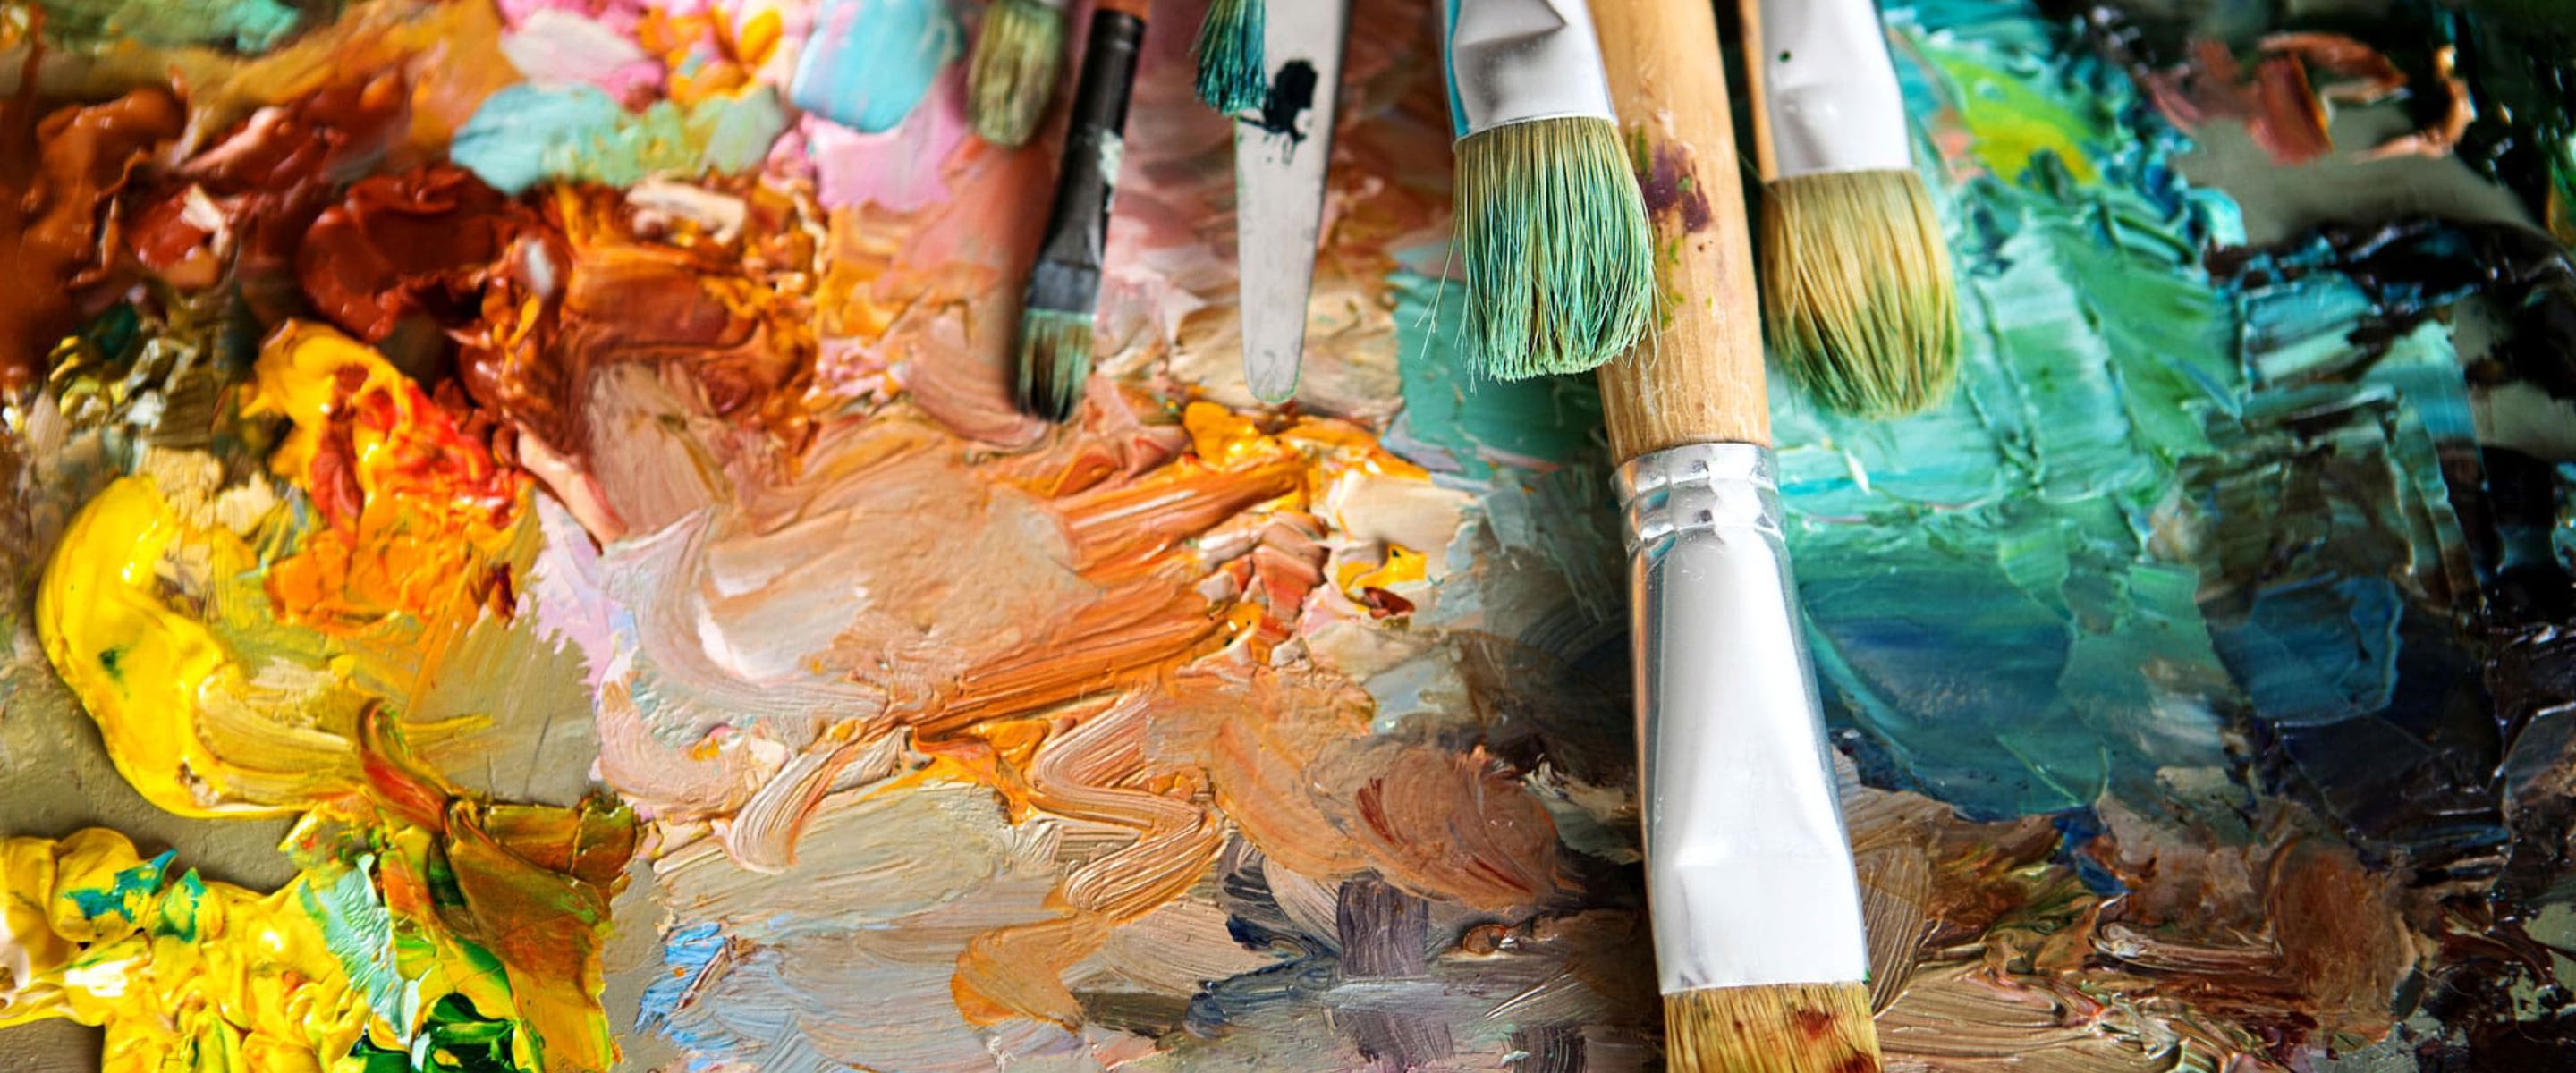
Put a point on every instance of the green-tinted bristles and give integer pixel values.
(1560, 270)
(1012, 74)
(1055, 359)
(1233, 74)
(1857, 291)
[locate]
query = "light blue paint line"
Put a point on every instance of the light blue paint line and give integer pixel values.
(687, 952)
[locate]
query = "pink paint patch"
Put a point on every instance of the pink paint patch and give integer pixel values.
(617, 15)
(556, 47)
(904, 169)
(566, 584)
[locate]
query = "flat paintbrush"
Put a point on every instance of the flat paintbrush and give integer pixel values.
(1011, 75)
(1749, 879)
(1856, 280)
(1056, 315)
(1551, 225)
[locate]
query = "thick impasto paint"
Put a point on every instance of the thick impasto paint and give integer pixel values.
(521, 558)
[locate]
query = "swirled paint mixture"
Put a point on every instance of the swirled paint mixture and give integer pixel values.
(522, 559)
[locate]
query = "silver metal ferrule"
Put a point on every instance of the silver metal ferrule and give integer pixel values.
(1512, 61)
(1748, 872)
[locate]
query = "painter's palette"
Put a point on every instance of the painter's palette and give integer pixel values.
(524, 559)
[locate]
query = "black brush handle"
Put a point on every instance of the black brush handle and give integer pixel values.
(1077, 228)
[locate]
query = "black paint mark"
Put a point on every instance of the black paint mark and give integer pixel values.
(1292, 93)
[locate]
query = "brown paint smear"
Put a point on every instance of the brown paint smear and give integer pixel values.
(60, 178)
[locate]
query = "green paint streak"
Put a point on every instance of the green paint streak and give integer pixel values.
(526, 134)
(179, 907)
(127, 893)
(456, 1039)
(2014, 117)
(249, 26)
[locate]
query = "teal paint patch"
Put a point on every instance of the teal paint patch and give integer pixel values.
(1457, 421)
(526, 134)
(126, 892)
(869, 63)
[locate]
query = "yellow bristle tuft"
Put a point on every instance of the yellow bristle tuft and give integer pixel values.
(1857, 292)
(1781, 1028)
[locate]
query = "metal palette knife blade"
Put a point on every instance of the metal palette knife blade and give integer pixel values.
(1280, 154)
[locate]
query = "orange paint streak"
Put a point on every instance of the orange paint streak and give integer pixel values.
(1098, 771)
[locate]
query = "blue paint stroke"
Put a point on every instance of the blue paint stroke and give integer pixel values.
(870, 62)
(686, 953)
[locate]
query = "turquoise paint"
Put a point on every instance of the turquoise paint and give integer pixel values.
(870, 62)
(526, 134)
(125, 892)
(2155, 506)
(1457, 421)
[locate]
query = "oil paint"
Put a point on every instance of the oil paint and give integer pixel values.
(521, 558)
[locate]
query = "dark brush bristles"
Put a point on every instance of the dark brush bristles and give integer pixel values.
(1559, 256)
(1233, 72)
(1780, 1028)
(1055, 313)
(1055, 339)
(1012, 74)
(1857, 291)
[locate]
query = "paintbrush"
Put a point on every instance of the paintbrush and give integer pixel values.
(1279, 168)
(1056, 314)
(1549, 217)
(1011, 76)
(1749, 879)
(1233, 68)
(1856, 280)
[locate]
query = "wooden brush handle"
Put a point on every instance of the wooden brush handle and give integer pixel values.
(1748, 44)
(1698, 378)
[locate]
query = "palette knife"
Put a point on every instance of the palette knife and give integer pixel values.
(1280, 153)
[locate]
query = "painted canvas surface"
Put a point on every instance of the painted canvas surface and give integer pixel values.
(521, 557)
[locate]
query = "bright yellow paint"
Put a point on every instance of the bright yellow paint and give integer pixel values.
(150, 676)
(223, 981)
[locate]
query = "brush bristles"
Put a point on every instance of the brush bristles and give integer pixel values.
(1857, 291)
(1233, 72)
(1012, 74)
(1559, 256)
(1782, 1028)
(1055, 359)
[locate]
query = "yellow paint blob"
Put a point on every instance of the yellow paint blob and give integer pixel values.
(182, 721)
(182, 974)
(1403, 565)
